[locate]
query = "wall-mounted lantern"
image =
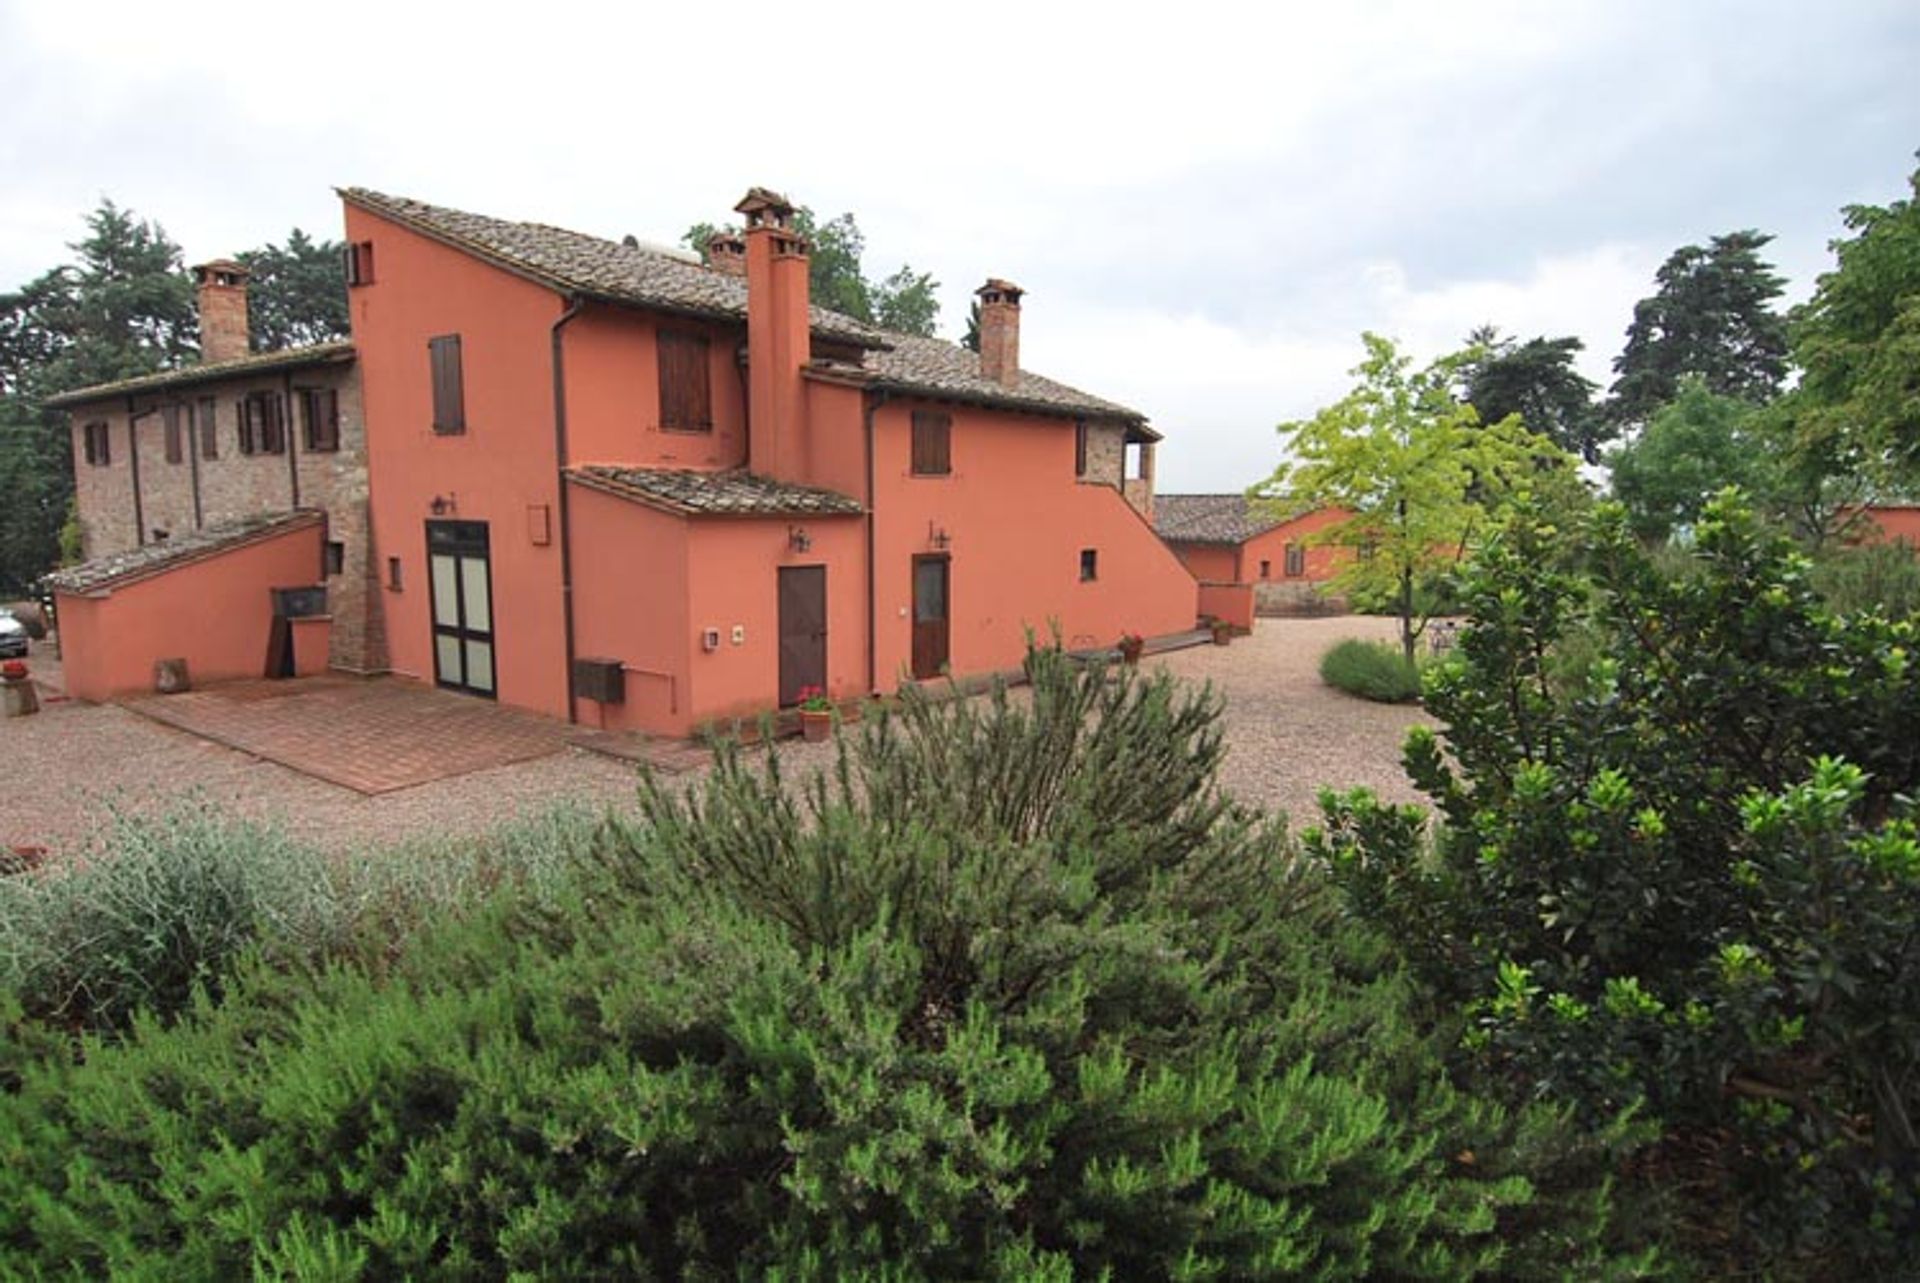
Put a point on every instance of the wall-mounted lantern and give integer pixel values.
(937, 537)
(443, 504)
(798, 539)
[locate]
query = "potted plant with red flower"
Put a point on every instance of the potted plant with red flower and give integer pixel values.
(1132, 645)
(816, 714)
(17, 694)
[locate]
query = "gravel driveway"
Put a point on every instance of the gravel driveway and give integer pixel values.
(67, 768)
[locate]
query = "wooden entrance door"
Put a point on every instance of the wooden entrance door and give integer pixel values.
(930, 616)
(460, 573)
(803, 630)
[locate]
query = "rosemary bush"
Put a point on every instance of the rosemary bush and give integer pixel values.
(1011, 992)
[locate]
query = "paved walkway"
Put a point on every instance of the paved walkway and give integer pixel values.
(372, 735)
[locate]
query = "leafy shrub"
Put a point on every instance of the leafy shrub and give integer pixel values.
(155, 908)
(1372, 670)
(1883, 577)
(1662, 887)
(1011, 993)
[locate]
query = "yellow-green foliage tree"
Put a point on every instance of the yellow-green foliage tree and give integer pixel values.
(1413, 467)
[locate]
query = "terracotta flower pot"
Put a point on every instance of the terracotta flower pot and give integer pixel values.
(1222, 634)
(815, 725)
(1130, 652)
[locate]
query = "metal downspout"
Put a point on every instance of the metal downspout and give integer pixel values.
(875, 399)
(574, 306)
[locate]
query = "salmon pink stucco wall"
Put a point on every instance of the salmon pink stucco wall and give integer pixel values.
(216, 613)
(1210, 563)
(1231, 602)
(630, 604)
(735, 584)
(1896, 523)
(1323, 561)
(612, 371)
(1017, 521)
(501, 470)
(647, 584)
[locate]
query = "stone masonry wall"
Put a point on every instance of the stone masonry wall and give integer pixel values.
(232, 485)
(1106, 455)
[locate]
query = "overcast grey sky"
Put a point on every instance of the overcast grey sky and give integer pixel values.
(1207, 204)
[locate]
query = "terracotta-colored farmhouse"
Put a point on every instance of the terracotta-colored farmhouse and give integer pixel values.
(1228, 539)
(610, 483)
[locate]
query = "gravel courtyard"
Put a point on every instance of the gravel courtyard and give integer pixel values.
(71, 766)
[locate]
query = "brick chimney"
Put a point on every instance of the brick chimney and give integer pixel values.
(727, 252)
(223, 310)
(1000, 331)
(779, 335)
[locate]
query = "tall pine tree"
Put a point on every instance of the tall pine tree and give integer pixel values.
(1712, 316)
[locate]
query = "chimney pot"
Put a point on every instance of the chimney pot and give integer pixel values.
(727, 252)
(1000, 331)
(222, 286)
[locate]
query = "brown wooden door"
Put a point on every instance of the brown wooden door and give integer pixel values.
(930, 616)
(803, 630)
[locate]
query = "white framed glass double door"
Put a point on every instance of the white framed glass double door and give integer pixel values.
(459, 572)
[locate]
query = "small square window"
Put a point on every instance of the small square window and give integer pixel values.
(1089, 565)
(334, 560)
(393, 573)
(1266, 569)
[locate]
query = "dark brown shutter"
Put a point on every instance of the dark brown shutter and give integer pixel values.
(209, 419)
(686, 397)
(932, 443)
(244, 432)
(170, 424)
(449, 391)
(1079, 449)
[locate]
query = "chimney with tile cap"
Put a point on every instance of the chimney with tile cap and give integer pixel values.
(1000, 331)
(223, 310)
(779, 335)
(727, 252)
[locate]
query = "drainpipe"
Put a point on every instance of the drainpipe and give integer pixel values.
(286, 429)
(875, 399)
(192, 410)
(574, 304)
(133, 462)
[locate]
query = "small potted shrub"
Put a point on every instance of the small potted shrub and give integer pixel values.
(1222, 630)
(1132, 645)
(816, 714)
(17, 695)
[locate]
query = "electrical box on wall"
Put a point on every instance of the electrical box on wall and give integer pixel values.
(710, 639)
(739, 634)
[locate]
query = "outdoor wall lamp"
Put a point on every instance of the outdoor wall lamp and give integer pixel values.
(938, 537)
(443, 503)
(798, 539)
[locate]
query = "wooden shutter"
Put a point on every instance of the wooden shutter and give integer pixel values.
(209, 439)
(1079, 449)
(170, 425)
(932, 443)
(245, 432)
(321, 409)
(686, 397)
(449, 390)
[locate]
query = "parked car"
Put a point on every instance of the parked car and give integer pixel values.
(13, 636)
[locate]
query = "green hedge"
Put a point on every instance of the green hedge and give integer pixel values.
(1011, 992)
(1373, 670)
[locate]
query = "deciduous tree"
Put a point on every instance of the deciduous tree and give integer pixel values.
(1696, 445)
(1413, 467)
